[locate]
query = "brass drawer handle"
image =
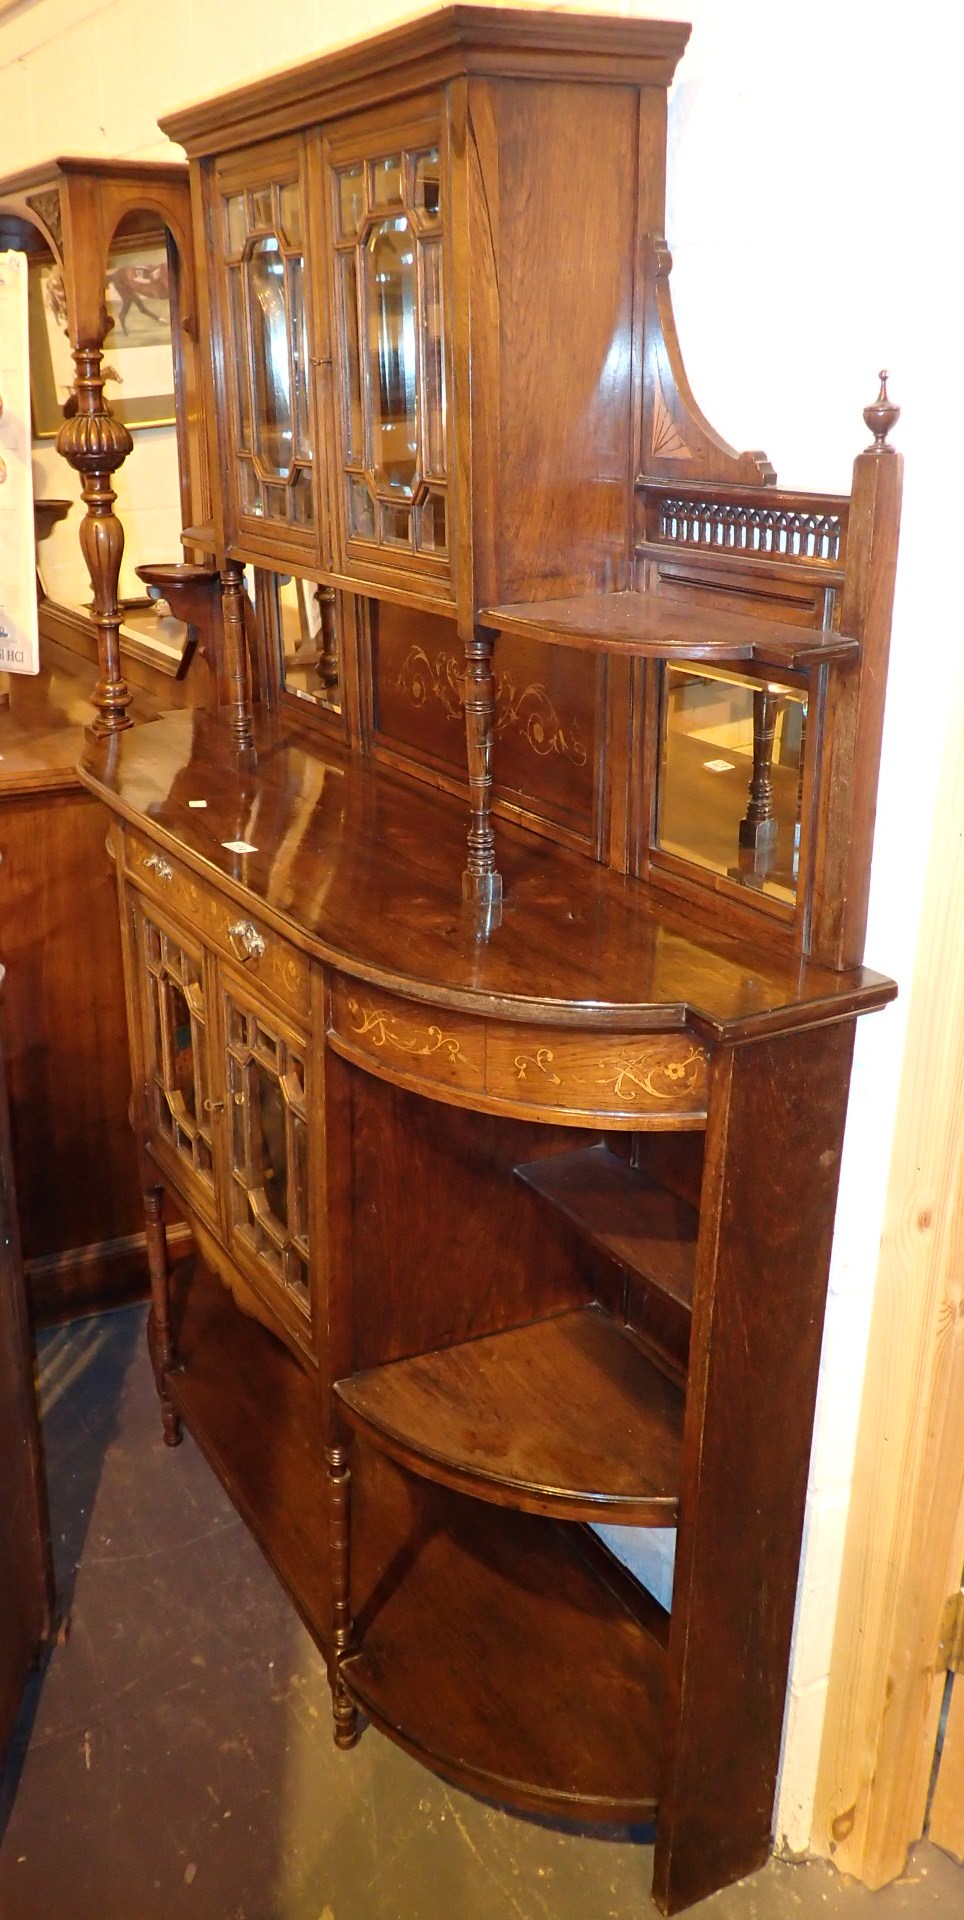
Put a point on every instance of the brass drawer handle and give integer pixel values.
(162, 868)
(246, 940)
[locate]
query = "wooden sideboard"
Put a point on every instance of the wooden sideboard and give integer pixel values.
(511, 1170)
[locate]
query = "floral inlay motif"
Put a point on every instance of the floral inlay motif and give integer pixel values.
(531, 712)
(379, 1025)
(640, 1074)
(541, 1060)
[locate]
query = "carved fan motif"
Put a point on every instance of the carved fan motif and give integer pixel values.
(668, 442)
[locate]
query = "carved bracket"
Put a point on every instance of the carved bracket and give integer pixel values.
(677, 440)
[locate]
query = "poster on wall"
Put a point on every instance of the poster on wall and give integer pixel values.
(19, 642)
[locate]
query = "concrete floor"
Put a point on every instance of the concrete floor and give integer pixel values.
(176, 1758)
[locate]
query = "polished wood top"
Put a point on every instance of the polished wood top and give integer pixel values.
(362, 868)
(430, 50)
(42, 729)
(656, 627)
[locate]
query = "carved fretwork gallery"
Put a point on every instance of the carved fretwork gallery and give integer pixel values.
(511, 1175)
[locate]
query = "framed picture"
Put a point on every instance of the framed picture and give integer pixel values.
(138, 360)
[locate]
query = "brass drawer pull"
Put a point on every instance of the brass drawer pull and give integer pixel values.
(246, 940)
(163, 868)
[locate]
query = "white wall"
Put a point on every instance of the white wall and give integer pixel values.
(809, 215)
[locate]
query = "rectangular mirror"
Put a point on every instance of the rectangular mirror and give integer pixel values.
(730, 781)
(304, 619)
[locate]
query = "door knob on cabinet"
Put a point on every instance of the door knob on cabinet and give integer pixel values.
(162, 868)
(246, 940)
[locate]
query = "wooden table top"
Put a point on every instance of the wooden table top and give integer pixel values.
(363, 868)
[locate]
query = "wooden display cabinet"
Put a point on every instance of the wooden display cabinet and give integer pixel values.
(494, 1244)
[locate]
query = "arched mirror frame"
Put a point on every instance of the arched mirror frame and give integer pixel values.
(78, 208)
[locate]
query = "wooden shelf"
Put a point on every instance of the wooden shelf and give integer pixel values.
(262, 1437)
(565, 1415)
(469, 1619)
(627, 1216)
(652, 626)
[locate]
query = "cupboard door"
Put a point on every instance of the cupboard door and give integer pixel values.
(268, 1156)
(177, 1034)
(388, 216)
(270, 341)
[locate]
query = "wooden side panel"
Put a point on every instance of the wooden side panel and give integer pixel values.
(26, 1582)
(68, 1067)
(552, 437)
(446, 1243)
(546, 718)
(774, 1136)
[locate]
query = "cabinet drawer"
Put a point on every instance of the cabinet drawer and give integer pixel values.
(259, 953)
(640, 1080)
(416, 1046)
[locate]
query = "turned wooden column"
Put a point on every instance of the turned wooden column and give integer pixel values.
(235, 656)
(344, 1711)
(328, 649)
(95, 443)
(481, 881)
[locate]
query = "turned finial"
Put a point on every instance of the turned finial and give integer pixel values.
(881, 416)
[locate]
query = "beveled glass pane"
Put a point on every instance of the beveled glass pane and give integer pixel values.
(152, 941)
(182, 1048)
(349, 308)
(427, 183)
(237, 1097)
(239, 339)
(268, 307)
(393, 365)
(276, 502)
(302, 499)
(730, 776)
(237, 222)
(396, 526)
(272, 1142)
(249, 488)
(237, 1026)
(433, 353)
(387, 181)
(351, 198)
(299, 356)
(262, 212)
(299, 1135)
(431, 524)
(289, 201)
(266, 1043)
(298, 1279)
(361, 509)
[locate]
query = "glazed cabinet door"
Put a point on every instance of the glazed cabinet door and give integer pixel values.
(388, 214)
(271, 338)
(265, 1064)
(174, 990)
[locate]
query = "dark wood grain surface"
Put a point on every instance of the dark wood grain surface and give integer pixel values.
(366, 873)
(565, 1415)
(470, 1619)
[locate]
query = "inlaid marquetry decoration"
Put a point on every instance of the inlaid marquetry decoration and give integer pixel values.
(178, 1048)
(668, 442)
(382, 1026)
(638, 1076)
(529, 1065)
(268, 1125)
(676, 434)
(530, 713)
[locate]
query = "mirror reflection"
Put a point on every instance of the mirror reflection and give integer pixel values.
(393, 357)
(732, 752)
(269, 329)
(306, 617)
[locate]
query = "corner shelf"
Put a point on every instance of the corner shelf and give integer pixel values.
(564, 1415)
(652, 626)
(467, 1619)
(633, 1219)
